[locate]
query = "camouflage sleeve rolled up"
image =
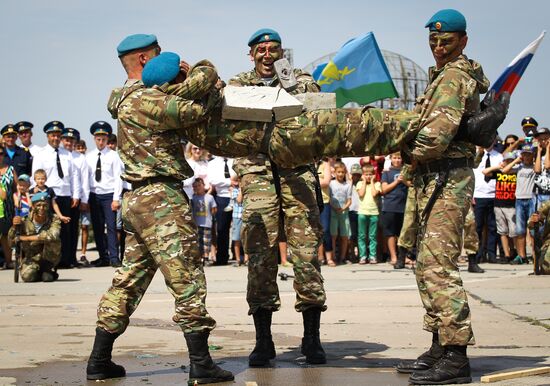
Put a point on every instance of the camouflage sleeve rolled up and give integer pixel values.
(52, 232)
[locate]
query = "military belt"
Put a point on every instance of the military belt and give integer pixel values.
(154, 180)
(444, 164)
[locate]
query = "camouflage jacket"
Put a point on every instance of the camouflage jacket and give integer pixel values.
(453, 91)
(153, 121)
(49, 232)
(259, 163)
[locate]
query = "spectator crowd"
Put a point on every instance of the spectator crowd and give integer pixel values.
(363, 199)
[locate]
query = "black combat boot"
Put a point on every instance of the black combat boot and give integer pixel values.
(264, 349)
(473, 265)
(202, 369)
(100, 365)
(424, 361)
(47, 274)
(452, 368)
(401, 256)
(311, 342)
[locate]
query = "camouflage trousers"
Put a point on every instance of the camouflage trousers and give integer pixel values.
(39, 257)
(409, 231)
(545, 255)
(260, 236)
(440, 243)
(161, 234)
(471, 239)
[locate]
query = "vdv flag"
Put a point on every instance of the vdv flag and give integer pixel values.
(511, 76)
(357, 73)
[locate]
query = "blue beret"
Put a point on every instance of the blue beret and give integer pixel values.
(9, 129)
(100, 127)
(447, 20)
(23, 126)
(40, 196)
(264, 35)
(53, 126)
(24, 177)
(161, 69)
(135, 42)
(69, 132)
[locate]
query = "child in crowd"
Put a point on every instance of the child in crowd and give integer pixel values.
(40, 178)
(237, 205)
(394, 190)
(85, 219)
(81, 147)
(112, 142)
(368, 190)
(204, 208)
(525, 182)
(356, 174)
(340, 201)
(505, 203)
(22, 198)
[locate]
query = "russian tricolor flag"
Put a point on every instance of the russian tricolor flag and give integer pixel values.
(511, 76)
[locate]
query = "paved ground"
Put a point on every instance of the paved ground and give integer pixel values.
(374, 319)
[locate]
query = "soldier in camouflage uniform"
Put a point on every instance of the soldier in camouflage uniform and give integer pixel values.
(543, 215)
(471, 242)
(40, 241)
(407, 238)
(424, 134)
(160, 230)
(274, 199)
(444, 180)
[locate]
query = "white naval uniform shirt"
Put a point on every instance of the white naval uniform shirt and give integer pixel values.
(69, 185)
(111, 170)
(216, 175)
(79, 161)
(35, 149)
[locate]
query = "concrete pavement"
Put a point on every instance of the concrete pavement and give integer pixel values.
(373, 320)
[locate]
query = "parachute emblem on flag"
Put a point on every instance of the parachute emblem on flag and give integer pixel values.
(332, 73)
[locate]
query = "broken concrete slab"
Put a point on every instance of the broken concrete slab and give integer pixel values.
(317, 100)
(253, 103)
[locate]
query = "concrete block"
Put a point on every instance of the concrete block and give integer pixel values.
(317, 100)
(259, 104)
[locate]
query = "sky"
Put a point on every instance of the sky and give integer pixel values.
(59, 57)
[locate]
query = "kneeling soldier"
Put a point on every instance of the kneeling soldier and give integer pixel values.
(40, 241)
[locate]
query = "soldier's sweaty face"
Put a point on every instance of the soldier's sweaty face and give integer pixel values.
(446, 46)
(41, 209)
(264, 55)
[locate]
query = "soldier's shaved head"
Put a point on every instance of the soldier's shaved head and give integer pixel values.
(133, 62)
